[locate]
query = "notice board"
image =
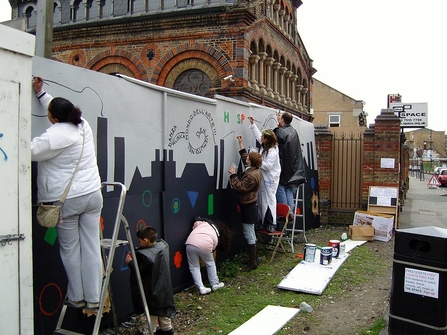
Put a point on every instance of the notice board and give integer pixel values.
(384, 200)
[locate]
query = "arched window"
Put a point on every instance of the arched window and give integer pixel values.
(31, 16)
(193, 81)
(57, 13)
(92, 10)
(77, 11)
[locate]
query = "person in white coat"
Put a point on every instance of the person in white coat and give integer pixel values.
(271, 170)
(57, 152)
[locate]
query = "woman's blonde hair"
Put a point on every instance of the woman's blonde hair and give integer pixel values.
(270, 141)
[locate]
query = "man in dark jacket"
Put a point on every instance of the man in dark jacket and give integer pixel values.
(291, 160)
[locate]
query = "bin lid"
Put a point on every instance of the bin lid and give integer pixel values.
(426, 231)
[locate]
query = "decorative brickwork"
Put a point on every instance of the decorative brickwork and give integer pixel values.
(78, 58)
(122, 59)
(256, 41)
(323, 141)
(202, 57)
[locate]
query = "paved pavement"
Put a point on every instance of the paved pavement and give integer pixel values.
(423, 207)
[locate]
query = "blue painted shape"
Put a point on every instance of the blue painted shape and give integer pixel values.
(193, 197)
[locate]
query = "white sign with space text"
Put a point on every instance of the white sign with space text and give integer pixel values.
(412, 115)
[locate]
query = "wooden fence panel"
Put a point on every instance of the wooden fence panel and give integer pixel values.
(347, 160)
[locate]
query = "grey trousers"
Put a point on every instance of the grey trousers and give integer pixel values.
(80, 248)
(194, 255)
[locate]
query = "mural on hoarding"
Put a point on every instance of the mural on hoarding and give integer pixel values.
(172, 152)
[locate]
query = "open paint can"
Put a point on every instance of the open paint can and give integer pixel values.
(309, 252)
(335, 244)
(326, 255)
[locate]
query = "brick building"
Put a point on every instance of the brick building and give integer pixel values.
(426, 142)
(334, 109)
(189, 45)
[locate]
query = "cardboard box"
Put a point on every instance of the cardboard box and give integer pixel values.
(383, 224)
(361, 233)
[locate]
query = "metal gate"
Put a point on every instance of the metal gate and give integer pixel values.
(347, 158)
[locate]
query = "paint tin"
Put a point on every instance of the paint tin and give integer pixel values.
(326, 255)
(335, 244)
(309, 252)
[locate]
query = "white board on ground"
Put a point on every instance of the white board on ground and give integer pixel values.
(267, 322)
(350, 244)
(312, 277)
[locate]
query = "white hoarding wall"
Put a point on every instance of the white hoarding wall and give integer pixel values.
(411, 114)
(172, 151)
(16, 277)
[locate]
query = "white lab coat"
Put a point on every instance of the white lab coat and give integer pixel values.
(271, 170)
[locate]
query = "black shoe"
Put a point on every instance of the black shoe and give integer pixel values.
(271, 229)
(259, 227)
(300, 181)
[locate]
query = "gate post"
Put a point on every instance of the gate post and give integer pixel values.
(381, 141)
(323, 141)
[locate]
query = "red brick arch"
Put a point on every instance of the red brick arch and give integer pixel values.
(119, 57)
(199, 51)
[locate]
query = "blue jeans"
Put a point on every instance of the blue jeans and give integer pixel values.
(285, 195)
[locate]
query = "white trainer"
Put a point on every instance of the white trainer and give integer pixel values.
(204, 290)
(218, 286)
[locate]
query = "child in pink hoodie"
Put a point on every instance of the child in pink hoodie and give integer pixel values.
(204, 238)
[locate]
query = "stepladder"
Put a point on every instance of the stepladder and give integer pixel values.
(108, 248)
(298, 224)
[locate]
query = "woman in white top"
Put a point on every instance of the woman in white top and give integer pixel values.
(57, 152)
(271, 170)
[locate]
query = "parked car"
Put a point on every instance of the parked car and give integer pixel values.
(442, 177)
(437, 169)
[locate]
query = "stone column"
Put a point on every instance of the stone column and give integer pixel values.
(298, 95)
(261, 77)
(293, 79)
(253, 59)
(268, 75)
(269, 8)
(304, 95)
(275, 67)
(281, 80)
(287, 76)
(286, 24)
(282, 12)
(276, 8)
(100, 9)
(298, 98)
